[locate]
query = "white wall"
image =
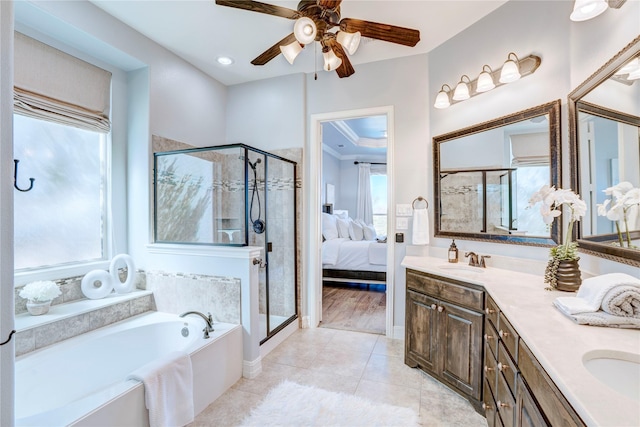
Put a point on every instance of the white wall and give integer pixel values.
(331, 175)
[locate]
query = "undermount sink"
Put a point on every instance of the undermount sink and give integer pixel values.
(461, 268)
(618, 370)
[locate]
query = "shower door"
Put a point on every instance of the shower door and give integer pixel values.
(278, 291)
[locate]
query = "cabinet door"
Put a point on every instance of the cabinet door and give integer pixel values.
(421, 331)
(461, 348)
(527, 412)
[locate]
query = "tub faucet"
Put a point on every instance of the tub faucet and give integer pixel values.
(208, 319)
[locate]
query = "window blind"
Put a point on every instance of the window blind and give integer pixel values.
(530, 149)
(52, 85)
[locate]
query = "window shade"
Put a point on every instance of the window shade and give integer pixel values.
(52, 85)
(530, 149)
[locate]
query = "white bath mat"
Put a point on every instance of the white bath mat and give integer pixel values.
(291, 404)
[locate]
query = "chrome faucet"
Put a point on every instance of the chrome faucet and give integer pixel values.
(473, 259)
(208, 319)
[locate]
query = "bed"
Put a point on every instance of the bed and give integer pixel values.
(357, 261)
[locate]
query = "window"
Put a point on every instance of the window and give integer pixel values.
(379, 199)
(62, 220)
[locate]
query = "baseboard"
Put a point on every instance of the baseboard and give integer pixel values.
(251, 369)
(306, 322)
(277, 339)
(398, 332)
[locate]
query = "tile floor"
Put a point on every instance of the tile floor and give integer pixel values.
(366, 365)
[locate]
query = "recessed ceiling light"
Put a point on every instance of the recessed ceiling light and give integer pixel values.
(224, 60)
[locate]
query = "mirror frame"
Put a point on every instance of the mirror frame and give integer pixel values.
(550, 108)
(594, 245)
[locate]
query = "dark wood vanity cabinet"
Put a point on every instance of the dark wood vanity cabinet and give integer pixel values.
(520, 391)
(443, 331)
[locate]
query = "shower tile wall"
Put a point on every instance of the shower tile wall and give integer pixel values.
(180, 292)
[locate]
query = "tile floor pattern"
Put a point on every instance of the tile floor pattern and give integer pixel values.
(367, 365)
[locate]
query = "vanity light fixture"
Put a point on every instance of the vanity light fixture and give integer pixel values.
(442, 100)
(485, 80)
(587, 9)
(512, 70)
(634, 75)
(461, 91)
(629, 67)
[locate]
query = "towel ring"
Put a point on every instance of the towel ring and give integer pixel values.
(419, 199)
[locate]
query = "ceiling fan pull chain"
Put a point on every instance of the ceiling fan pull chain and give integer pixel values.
(315, 61)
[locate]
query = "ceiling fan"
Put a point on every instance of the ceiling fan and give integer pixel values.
(314, 21)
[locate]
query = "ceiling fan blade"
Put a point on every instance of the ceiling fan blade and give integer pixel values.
(329, 4)
(273, 51)
(256, 6)
(345, 69)
(385, 32)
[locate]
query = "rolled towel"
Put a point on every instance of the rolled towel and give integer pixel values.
(622, 301)
(594, 289)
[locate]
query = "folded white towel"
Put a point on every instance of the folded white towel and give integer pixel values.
(623, 301)
(420, 227)
(168, 389)
(591, 295)
(600, 318)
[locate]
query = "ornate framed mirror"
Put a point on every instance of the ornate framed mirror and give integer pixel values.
(604, 138)
(484, 176)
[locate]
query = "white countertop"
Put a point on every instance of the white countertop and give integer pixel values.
(557, 342)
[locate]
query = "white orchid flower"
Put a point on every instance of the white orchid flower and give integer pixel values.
(616, 213)
(548, 214)
(579, 209)
(602, 207)
(631, 197)
(619, 190)
(541, 195)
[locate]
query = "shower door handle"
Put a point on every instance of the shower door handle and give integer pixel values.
(258, 261)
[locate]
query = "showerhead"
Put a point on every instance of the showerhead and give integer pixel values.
(253, 165)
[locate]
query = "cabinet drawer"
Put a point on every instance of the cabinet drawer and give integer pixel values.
(507, 367)
(508, 336)
(446, 290)
(489, 405)
(490, 370)
(491, 310)
(491, 338)
(505, 403)
(551, 401)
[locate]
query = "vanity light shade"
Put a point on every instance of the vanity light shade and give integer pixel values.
(485, 80)
(442, 100)
(350, 41)
(462, 90)
(331, 61)
(587, 9)
(291, 51)
(629, 67)
(634, 75)
(305, 30)
(510, 70)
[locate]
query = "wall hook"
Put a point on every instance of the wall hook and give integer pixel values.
(15, 178)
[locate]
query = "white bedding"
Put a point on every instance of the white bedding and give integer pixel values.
(347, 254)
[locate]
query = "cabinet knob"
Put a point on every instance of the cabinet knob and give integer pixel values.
(489, 311)
(433, 306)
(488, 337)
(485, 406)
(487, 369)
(502, 367)
(502, 404)
(503, 333)
(440, 309)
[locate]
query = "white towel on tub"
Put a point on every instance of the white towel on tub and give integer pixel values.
(168, 389)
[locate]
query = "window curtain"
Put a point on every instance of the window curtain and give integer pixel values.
(530, 149)
(364, 207)
(52, 85)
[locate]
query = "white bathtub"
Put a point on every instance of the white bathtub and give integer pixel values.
(81, 381)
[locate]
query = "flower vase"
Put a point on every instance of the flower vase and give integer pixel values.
(36, 308)
(568, 275)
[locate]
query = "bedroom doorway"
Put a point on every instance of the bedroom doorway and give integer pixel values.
(354, 288)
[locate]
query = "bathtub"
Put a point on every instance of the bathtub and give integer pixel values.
(82, 381)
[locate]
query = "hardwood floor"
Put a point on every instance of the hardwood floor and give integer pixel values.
(354, 307)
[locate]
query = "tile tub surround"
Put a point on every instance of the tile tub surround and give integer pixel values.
(180, 292)
(65, 321)
(556, 342)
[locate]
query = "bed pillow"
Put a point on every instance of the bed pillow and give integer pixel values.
(355, 231)
(329, 227)
(342, 214)
(369, 232)
(343, 228)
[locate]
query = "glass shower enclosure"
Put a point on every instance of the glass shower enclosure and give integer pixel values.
(234, 195)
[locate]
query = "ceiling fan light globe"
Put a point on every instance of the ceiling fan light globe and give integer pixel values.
(350, 41)
(331, 60)
(510, 72)
(305, 30)
(485, 82)
(587, 9)
(291, 51)
(442, 100)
